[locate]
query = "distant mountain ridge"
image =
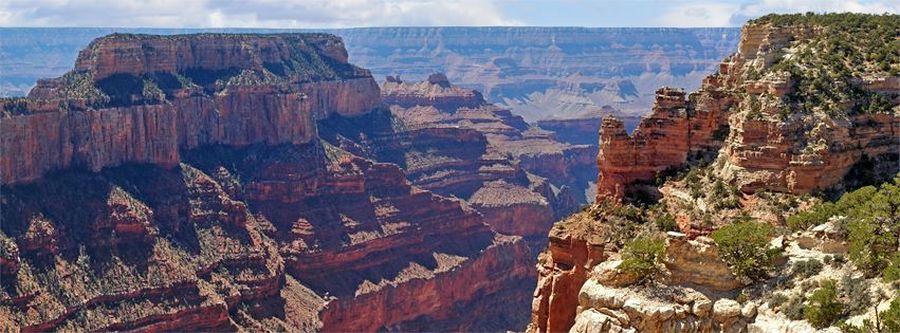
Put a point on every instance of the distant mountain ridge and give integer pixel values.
(538, 72)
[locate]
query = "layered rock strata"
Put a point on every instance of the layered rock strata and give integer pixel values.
(86, 118)
(183, 183)
(671, 135)
(761, 131)
(507, 170)
(762, 147)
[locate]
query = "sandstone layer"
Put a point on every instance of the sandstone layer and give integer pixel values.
(746, 119)
(195, 183)
(517, 176)
(783, 117)
(64, 129)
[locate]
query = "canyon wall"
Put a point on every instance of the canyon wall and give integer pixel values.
(673, 134)
(509, 171)
(50, 139)
(195, 182)
(762, 149)
(548, 72)
(765, 127)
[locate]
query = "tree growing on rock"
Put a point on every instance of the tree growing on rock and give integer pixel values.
(643, 257)
(744, 247)
(824, 308)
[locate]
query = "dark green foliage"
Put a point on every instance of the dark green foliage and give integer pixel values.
(14, 106)
(850, 46)
(838, 261)
(892, 271)
(743, 246)
(824, 308)
(872, 246)
(643, 257)
(862, 204)
(874, 226)
(890, 319)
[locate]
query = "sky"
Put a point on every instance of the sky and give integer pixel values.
(367, 13)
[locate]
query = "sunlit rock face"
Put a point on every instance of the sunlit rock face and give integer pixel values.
(750, 129)
(139, 98)
(189, 183)
(733, 114)
(519, 177)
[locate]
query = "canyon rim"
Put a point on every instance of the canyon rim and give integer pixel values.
(472, 178)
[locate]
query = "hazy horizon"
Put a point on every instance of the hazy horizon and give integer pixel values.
(321, 14)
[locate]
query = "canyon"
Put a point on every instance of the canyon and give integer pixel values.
(562, 80)
(753, 136)
(262, 182)
(237, 181)
(537, 72)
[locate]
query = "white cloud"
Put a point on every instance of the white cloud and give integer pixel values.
(254, 13)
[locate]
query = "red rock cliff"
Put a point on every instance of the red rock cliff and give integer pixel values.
(206, 199)
(144, 98)
(749, 110)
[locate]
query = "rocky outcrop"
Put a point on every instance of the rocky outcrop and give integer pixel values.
(608, 309)
(755, 135)
(762, 147)
(696, 262)
(435, 91)
(100, 128)
(764, 154)
(674, 133)
(562, 269)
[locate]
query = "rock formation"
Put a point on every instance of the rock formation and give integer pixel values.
(765, 129)
(765, 148)
(674, 133)
(183, 183)
(548, 72)
(458, 144)
(174, 112)
(538, 72)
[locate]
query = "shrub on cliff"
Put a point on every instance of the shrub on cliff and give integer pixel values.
(872, 246)
(864, 203)
(666, 222)
(744, 247)
(806, 268)
(888, 321)
(643, 257)
(824, 308)
(874, 229)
